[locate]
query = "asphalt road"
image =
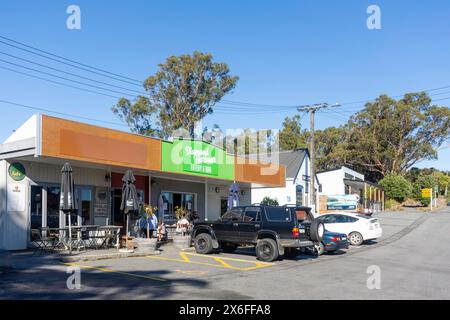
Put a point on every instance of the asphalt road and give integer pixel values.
(413, 264)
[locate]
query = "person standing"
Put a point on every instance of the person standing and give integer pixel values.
(152, 224)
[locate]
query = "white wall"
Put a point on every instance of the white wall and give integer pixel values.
(287, 195)
(284, 195)
(15, 218)
(213, 208)
(332, 182)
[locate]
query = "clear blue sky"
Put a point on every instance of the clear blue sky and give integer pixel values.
(285, 52)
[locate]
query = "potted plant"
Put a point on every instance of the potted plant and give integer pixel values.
(147, 244)
(182, 240)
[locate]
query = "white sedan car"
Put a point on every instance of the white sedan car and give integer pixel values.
(358, 228)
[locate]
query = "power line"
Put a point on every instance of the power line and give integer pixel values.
(59, 83)
(69, 73)
(244, 105)
(59, 113)
(69, 64)
(63, 78)
(66, 59)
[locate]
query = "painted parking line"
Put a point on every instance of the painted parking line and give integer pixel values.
(108, 270)
(220, 262)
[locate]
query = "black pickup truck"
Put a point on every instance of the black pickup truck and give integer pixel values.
(274, 230)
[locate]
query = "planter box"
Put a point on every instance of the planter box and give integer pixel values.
(181, 242)
(145, 245)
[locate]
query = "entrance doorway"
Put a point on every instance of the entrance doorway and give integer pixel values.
(223, 205)
(174, 200)
(118, 217)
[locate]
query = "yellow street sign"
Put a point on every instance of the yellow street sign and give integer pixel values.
(426, 193)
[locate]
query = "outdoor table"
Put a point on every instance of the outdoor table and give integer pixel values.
(88, 236)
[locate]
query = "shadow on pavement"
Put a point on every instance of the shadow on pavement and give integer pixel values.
(51, 283)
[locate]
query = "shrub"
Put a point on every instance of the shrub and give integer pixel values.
(393, 205)
(268, 201)
(396, 187)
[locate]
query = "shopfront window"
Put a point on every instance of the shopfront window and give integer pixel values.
(53, 197)
(36, 207)
(172, 200)
(299, 195)
(86, 206)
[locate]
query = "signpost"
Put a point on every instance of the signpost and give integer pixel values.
(428, 193)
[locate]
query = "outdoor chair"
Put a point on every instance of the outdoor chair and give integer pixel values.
(43, 243)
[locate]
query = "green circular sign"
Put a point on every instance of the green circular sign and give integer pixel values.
(16, 171)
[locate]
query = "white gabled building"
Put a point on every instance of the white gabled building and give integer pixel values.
(297, 189)
(345, 181)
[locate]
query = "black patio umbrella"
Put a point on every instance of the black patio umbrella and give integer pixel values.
(130, 201)
(67, 202)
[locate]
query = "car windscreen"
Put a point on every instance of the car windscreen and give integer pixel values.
(279, 214)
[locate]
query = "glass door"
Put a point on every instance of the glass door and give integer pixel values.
(172, 200)
(36, 209)
(53, 216)
(85, 205)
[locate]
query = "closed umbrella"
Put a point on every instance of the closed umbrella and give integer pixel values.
(67, 202)
(130, 201)
(233, 196)
(161, 208)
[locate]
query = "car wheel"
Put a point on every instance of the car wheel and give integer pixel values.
(319, 248)
(203, 243)
(267, 250)
(317, 230)
(355, 238)
(228, 247)
(291, 252)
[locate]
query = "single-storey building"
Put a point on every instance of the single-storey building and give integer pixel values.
(345, 181)
(297, 181)
(186, 173)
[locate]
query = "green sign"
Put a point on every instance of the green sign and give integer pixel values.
(16, 171)
(196, 157)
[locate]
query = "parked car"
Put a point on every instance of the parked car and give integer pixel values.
(332, 242)
(274, 231)
(357, 227)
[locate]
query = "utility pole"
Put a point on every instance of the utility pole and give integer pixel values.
(312, 149)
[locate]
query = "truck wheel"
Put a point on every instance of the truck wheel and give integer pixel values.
(355, 238)
(291, 253)
(267, 250)
(203, 243)
(317, 230)
(228, 247)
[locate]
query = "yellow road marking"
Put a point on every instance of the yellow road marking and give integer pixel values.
(231, 259)
(185, 258)
(199, 272)
(220, 260)
(223, 263)
(114, 271)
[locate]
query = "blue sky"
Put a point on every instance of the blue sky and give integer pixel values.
(285, 52)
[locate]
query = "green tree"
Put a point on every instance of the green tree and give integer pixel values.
(268, 201)
(443, 180)
(389, 136)
(182, 92)
(396, 187)
(327, 142)
(291, 136)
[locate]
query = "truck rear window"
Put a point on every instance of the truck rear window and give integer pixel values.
(278, 214)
